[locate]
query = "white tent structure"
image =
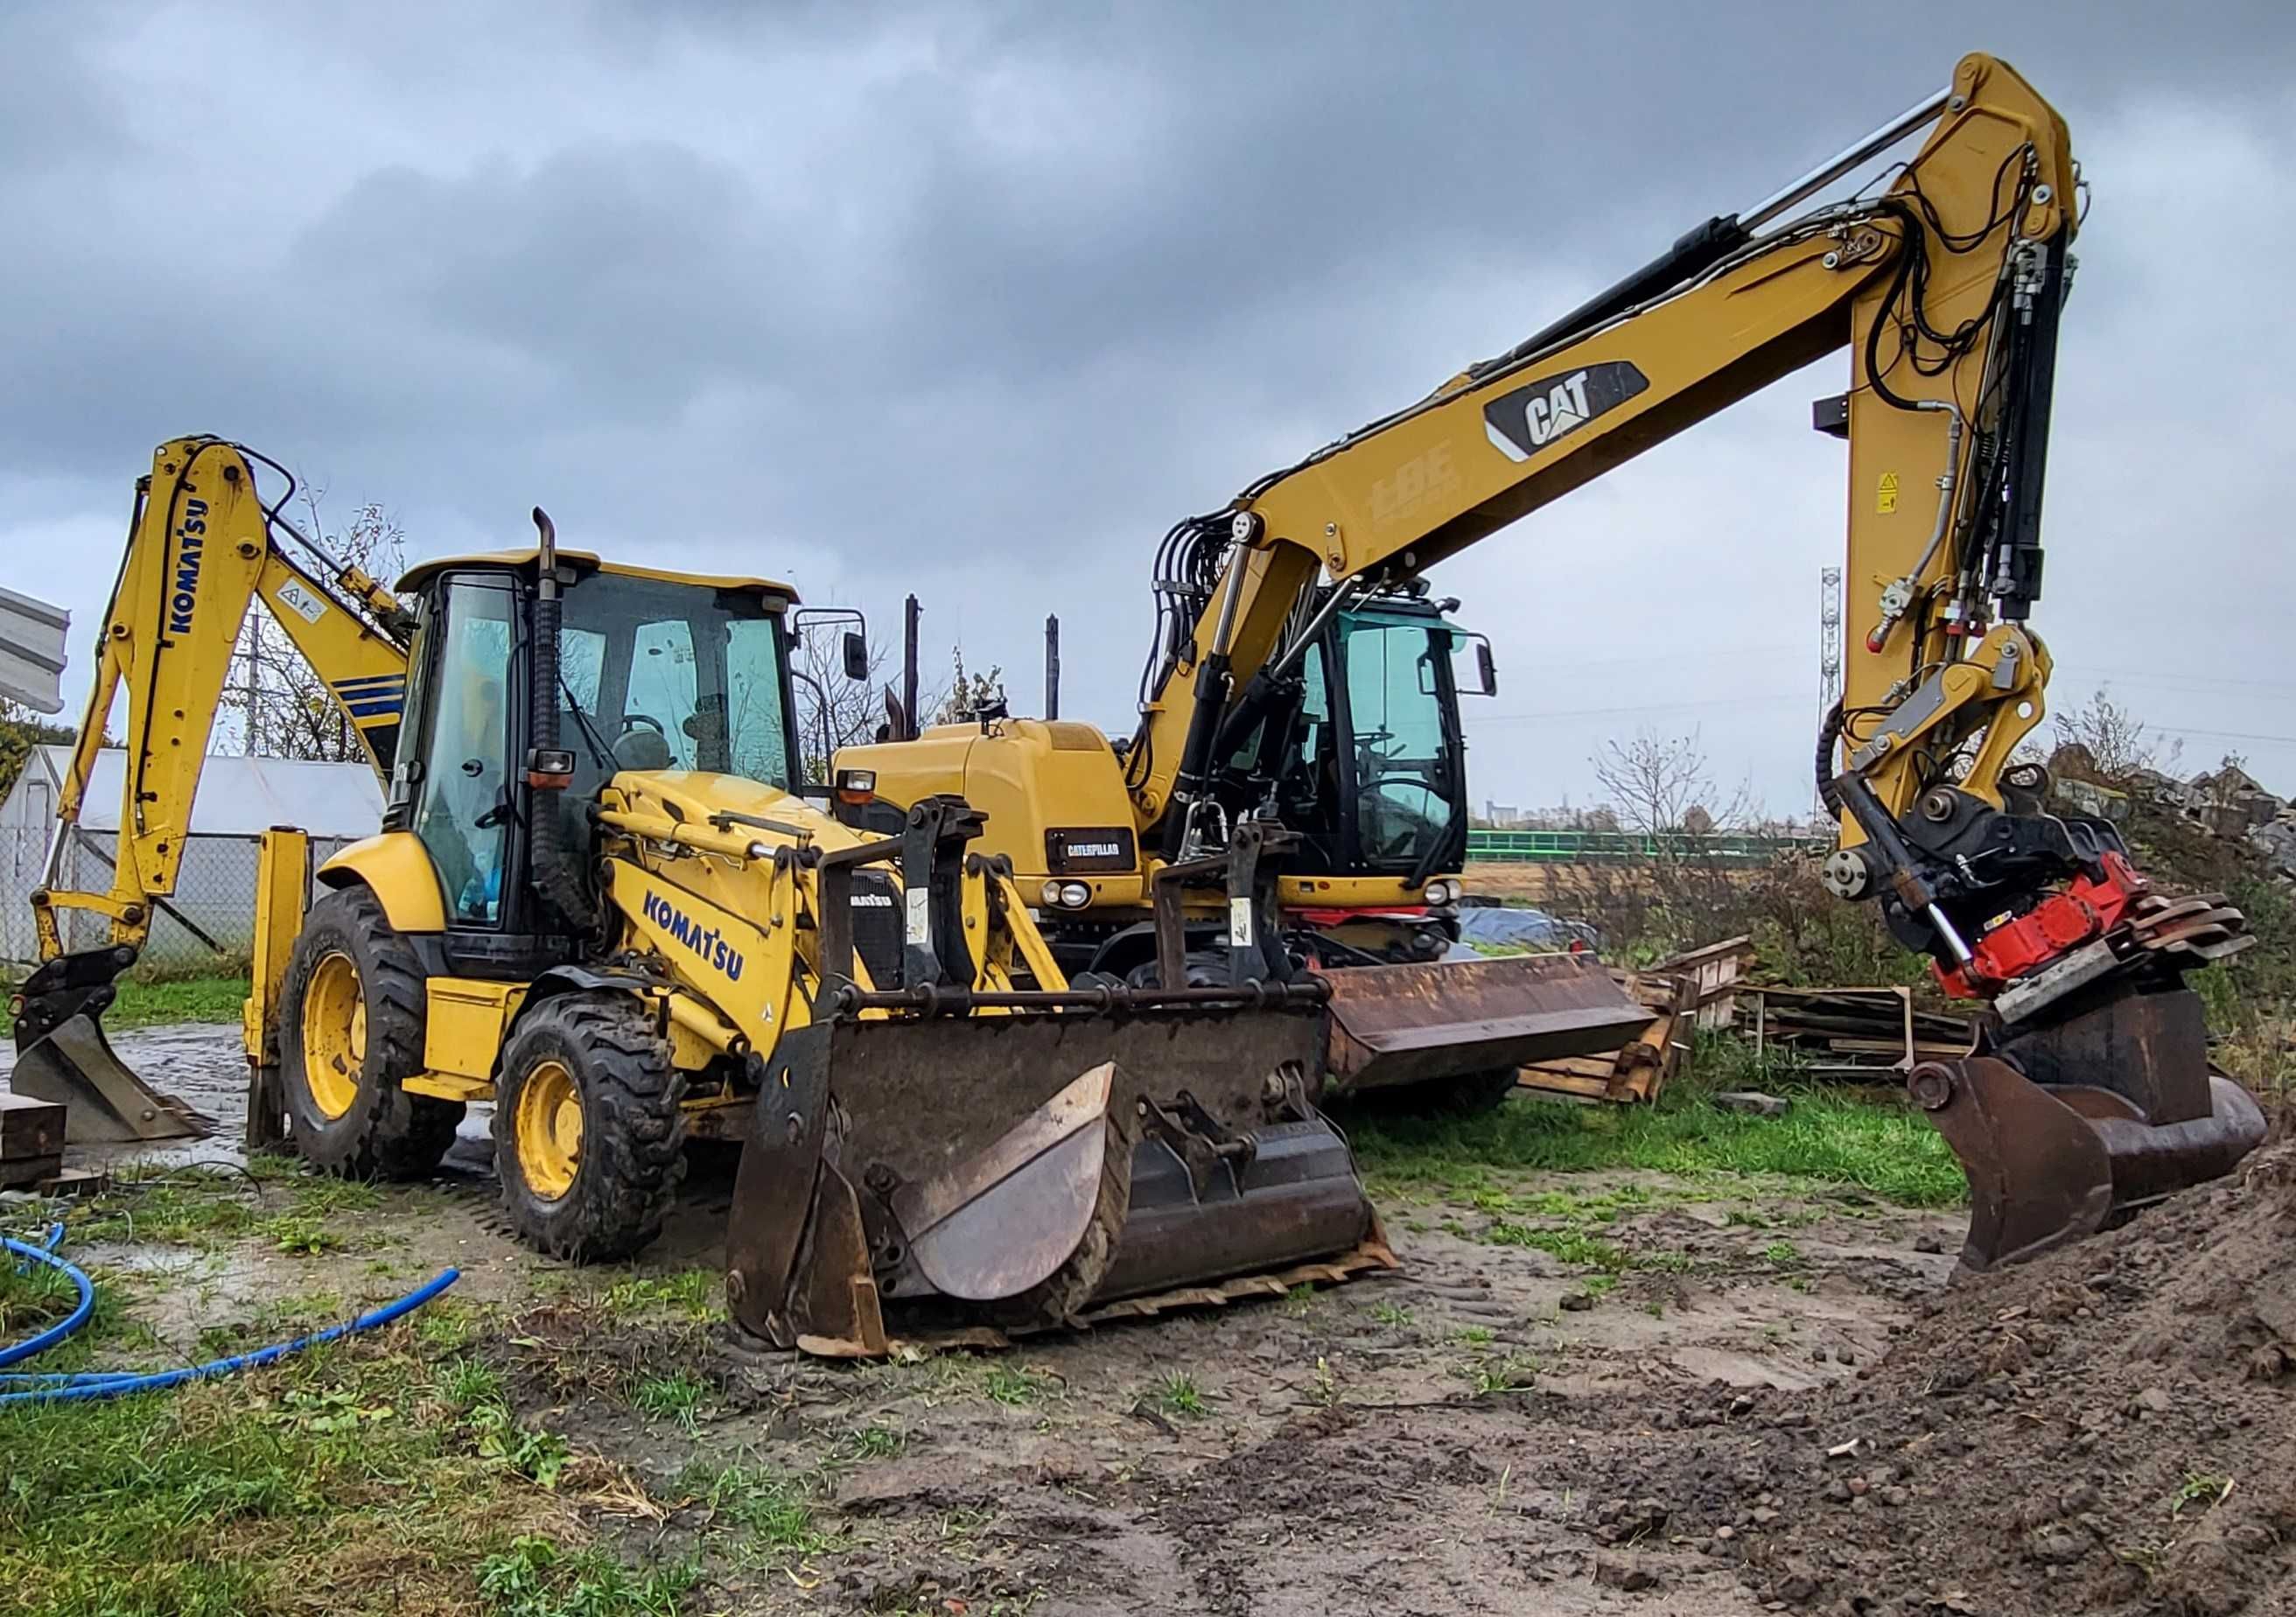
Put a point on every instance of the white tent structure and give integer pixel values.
(213, 909)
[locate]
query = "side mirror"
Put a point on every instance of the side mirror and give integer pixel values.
(1488, 667)
(856, 655)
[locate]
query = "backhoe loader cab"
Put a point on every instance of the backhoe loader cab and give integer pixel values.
(655, 671)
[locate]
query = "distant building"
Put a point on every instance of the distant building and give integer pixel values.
(214, 903)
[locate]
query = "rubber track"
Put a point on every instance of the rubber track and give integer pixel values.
(402, 1136)
(633, 1134)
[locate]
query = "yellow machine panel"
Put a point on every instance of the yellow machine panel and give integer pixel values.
(394, 864)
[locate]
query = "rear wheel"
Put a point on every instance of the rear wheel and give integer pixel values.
(589, 1135)
(350, 1033)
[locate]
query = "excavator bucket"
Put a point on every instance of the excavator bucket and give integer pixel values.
(1027, 1172)
(2069, 1128)
(62, 1054)
(1409, 1024)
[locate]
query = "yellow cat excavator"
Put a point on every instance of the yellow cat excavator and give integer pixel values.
(1263, 724)
(599, 901)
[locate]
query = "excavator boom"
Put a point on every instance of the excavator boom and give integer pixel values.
(202, 548)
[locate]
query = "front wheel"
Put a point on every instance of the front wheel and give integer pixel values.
(350, 1033)
(589, 1134)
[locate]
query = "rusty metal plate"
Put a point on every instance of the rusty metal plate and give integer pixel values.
(774, 1187)
(104, 1102)
(1401, 1024)
(2038, 1174)
(1006, 1220)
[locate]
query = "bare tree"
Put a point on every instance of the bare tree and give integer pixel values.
(1663, 799)
(275, 705)
(2112, 743)
(833, 711)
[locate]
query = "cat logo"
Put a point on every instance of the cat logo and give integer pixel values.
(1527, 419)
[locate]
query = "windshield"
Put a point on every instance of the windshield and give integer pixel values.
(1397, 675)
(671, 676)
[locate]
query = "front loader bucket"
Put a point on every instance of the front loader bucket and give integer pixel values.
(2050, 1160)
(62, 1054)
(1407, 1024)
(1027, 1170)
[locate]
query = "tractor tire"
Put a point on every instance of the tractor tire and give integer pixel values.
(350, 1033)
(589, 1132)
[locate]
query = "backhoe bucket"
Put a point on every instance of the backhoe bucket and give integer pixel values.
(1031, 1170)
(2072, 1127)
(62, 1054)
(1407, 1024)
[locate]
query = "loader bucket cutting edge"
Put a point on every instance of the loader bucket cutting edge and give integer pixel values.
(1028, 1171)
(62, 1055)
(1402, 1024)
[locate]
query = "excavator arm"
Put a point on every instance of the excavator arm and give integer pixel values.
(2094, 1093)
(202, 546)
(1945, 288)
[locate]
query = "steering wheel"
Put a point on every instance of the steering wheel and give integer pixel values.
(632, 720)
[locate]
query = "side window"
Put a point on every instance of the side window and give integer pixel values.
(664, 688)
(756, 744)
(459, 815)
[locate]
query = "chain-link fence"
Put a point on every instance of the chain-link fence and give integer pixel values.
(207, 925)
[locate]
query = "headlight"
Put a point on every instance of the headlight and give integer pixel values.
(1075, 895)
(1439, 892)
(1051, 893)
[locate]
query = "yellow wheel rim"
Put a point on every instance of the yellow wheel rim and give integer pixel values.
(548, 1128)
(334, 1033)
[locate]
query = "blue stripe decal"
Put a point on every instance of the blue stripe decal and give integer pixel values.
(374, 710)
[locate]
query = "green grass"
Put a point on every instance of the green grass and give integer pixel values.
(349, 1480)
(697, 1293)
(1831, 1136)
(535, 1578)
(676, 1397)
(773, 1511)
(1571, 1246)
(1178, 1393)
(151, 1005)
(1013, 1385)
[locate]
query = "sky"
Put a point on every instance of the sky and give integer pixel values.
(974, 301)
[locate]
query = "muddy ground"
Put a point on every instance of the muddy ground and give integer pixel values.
(1613, 1393)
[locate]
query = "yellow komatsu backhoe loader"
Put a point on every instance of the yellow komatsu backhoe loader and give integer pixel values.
(599, 901)
(2093, 1091)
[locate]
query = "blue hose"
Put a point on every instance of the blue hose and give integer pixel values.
(70, 1322)
(84, 1385)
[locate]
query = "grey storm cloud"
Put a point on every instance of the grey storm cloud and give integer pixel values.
(976, 301)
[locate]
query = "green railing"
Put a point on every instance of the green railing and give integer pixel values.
(1626, 847)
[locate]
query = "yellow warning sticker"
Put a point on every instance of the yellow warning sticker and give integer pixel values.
(1885, 496)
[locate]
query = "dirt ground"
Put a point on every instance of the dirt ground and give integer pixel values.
(1740, 1396)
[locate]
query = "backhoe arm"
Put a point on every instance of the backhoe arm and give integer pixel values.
(1945, 290)
(200, 549)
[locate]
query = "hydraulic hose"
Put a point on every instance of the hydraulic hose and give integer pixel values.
(1828, 733)
(87, 1385)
